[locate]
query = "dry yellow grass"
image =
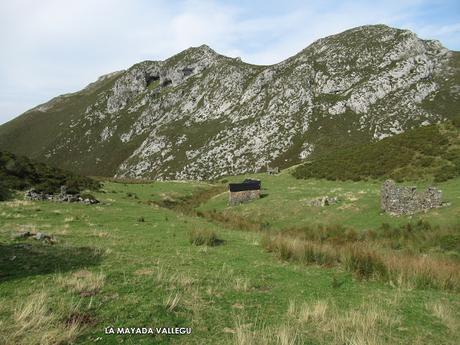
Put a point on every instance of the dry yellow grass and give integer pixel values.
(413, 271)
(328, 324)
(313, 313)
(370, 262)
(18, 203)
(254, 334)
(172, 301)
(445, 313)
(144, 272)
(36, 323)
(83, 282)
(181, 280)
(101, 234)
(242, 284)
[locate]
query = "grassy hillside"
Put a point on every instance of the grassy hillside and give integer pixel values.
(19, 172)
(431, 152)
(130, 263)
(37, 129)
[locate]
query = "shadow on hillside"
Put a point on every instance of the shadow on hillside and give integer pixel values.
(23, 259)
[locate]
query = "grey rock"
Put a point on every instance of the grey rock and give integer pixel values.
(63, 196)
(323, 201)
(41, 236)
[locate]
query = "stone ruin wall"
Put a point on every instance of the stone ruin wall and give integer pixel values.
(398, 200)
(236, 198)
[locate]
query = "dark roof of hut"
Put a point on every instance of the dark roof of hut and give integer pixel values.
(247, 184)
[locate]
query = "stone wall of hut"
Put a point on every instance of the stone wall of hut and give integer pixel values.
(236, 198)
(398, 200)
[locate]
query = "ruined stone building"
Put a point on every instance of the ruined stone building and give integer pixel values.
(398, 200)
(243, 192)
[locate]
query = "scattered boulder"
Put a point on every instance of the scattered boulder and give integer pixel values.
(399, 200)
(323, 201)
(39, 236)
(63, 196)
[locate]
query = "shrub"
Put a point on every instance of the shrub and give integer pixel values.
(206, 237)
(402, 269)
(450, 242)
(445, 173)
(364, 263)
(19, 172)
(308, 252)
(456, 121)
(423, 272)
(390, 157)
(4, 192)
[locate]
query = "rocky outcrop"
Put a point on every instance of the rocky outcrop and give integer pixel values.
(39, 236)
(400, 200)
(63, 196)
(323, 201)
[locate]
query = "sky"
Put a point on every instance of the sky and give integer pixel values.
(51, 47)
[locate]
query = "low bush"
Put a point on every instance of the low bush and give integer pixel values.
(412, 154)
(19, 172)
(233, 220)
(206, 237)
(445, 173)
(308, 252)
(418, 236)
(420, 271)
(364, 263)
(4, 192)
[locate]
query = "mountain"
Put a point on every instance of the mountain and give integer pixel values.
(201, 115)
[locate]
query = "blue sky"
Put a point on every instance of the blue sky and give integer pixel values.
(50, 47)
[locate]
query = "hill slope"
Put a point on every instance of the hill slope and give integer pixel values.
(201, 115)
(19, 172)
(424, 152)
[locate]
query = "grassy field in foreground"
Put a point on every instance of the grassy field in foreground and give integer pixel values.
(130, 263)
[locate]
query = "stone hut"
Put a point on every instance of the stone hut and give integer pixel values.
(398, 200)
(243, 192)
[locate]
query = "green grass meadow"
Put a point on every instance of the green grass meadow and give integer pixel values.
(128, 262)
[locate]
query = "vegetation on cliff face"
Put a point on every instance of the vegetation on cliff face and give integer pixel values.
(19, 172)
(431, 152)
(201, 115)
